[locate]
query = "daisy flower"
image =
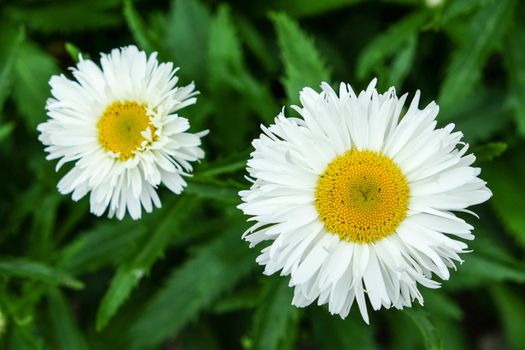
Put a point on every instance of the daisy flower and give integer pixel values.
(120, 126)
(357, 199)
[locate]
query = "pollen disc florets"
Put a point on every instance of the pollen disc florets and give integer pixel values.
(125, 128)
(362, 196)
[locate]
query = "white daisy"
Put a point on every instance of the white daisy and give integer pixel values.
(119, 124)
(358, 201)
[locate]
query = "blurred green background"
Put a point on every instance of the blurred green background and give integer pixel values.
(181, 278)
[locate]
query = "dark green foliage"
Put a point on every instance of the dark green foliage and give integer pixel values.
(274, 319)
(511, 308)
(515, 57)
(397, 40)
(181, 277)
(23, 268)
(187, 29)
(483, 35)
(138, 264)
(33, 67)
(431, 335)
(505, 176)
(227, 67)
(489, 151)
(303, 65)
(144, 37)
(11, 43)
(66, 332)
(332, 333)
(67, 15)
(214, 269)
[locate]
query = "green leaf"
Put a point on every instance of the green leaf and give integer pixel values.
(403, 332)
(22, 337)
(213, 189)
(3, 323)
(247, 298)
(74, 52)
(482, 37)
(67, 16)
(256, 43)
(74, 216)
(7, 64)
(455, 337)
(303, 65)
(122, 284)
(489, 151)
(66, 332)
(505, 178)
(333, 333)
(144, 37)
(488, 263)
(431, 335)
(225, 52)
(107, 243)
(481, 269)
(303, 8)
(24, 268)
(402, 63)
(511, 308)
(515, 65)
(458, 9)
(131, 272)
(273, 316)
(214, 269)
(480, 116)
(186, 36)
(390, 42)
(200, 336)
(5, 130)
(440, 304)
(230, 164)
(33, 69)
(226, 66)
(43, 224)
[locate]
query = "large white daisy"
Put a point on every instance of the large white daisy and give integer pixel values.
(119, 124)
(358, 200)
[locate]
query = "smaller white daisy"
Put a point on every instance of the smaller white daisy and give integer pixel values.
(358, 200)
(119, 124)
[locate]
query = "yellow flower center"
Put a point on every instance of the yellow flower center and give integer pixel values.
(122, 127)
(362, 196)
